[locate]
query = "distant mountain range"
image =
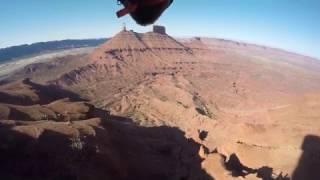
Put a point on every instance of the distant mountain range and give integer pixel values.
(26, 50)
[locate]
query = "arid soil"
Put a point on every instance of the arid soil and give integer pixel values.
(9, 69)
(146, 106)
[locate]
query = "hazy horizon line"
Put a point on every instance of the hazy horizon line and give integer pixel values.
(180, 36)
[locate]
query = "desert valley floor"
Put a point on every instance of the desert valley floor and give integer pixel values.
(148, 106)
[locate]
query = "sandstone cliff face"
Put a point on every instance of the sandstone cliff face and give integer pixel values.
(194, 109)
(71, 139)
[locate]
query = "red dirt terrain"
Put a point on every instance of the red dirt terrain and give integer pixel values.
(146, 106)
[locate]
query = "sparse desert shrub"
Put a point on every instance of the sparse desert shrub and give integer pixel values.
(77, 144)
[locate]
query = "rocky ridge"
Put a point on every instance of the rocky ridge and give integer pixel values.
(235, 111)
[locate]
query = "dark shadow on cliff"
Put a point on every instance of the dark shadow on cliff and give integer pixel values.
(237, 169)
(118, 150)
(308, 167)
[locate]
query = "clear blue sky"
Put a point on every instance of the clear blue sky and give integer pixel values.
(288, 24)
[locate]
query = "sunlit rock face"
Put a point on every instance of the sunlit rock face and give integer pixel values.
(148, 106)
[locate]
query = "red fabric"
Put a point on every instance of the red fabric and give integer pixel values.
(130, 8)
(152, 2)
(133, 6)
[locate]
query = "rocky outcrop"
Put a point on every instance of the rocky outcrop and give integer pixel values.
(193, 110)
(69, 139)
